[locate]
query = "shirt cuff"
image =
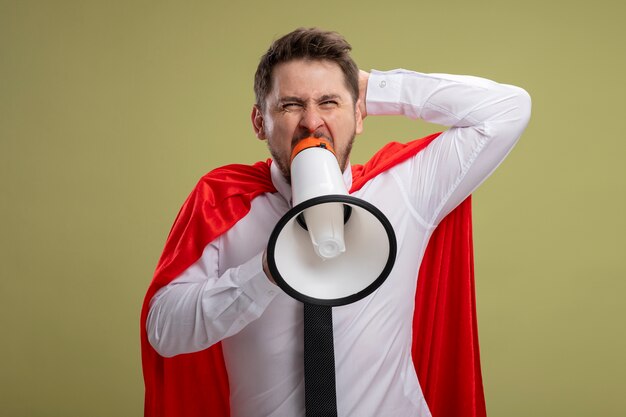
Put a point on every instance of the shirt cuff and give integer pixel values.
(256, 285)
(384, 89)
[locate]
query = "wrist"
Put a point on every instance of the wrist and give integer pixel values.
(266, 269)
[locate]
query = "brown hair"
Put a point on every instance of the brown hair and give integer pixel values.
(306, 43)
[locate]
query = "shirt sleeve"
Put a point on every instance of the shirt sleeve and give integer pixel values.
(485, 118)
(200, 308)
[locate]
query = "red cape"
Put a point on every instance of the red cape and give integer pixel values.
(445, 346)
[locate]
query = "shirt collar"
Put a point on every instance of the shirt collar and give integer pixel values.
(284, 188)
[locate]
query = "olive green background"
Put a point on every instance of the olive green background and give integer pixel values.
(111, 110)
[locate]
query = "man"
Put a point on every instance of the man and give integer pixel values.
(307, 85)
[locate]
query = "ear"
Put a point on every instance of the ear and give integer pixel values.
(257, 122)
(358, 118)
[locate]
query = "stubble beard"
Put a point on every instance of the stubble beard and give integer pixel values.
(283, 161)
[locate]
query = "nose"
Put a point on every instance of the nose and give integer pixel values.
(311, 120)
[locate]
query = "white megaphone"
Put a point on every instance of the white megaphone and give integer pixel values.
(330, 248)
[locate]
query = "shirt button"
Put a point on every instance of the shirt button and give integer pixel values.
(382, 84)
(271, 292)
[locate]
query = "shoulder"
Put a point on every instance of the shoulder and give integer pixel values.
(387, 157)
(258, 171)
(235, 179)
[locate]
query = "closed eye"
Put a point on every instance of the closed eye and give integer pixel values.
(328, 104)
(291, 106)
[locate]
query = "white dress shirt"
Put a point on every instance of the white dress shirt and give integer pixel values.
(225, 296)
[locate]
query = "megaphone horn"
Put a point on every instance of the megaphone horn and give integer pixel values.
(330, 248)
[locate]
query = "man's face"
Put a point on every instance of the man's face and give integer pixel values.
(308, 98)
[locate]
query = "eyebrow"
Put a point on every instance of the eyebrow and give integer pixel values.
(329, 97)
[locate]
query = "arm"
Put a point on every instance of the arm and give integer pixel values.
(200, 308)
(485, 118)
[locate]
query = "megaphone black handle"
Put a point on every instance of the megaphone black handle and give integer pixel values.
(347, 212)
